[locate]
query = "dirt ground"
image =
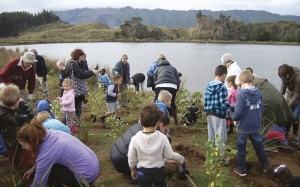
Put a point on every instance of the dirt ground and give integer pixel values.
(195, 155)
(182, 142)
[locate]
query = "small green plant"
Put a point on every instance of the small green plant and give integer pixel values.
(85, 128)
(215, 171)
(55, 108)
(135, 100)
(118, 127)
(96, 100)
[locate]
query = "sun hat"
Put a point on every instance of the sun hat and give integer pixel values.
(124, 56)
(29, 57)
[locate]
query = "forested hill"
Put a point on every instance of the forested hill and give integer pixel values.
(114, 17)
(12, 23)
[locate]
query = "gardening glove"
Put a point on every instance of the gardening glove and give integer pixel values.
(45, 79)
(2, 85)
(29, 97)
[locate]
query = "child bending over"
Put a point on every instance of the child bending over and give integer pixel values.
(282, 176)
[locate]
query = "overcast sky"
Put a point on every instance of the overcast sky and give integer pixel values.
(282, 7)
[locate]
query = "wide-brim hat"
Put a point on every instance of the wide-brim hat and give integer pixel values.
(29, 57)
(124, 56)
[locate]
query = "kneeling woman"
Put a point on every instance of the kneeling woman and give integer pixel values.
(60, 157)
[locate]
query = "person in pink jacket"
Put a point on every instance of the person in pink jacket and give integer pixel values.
(68, 103)
(232, 95)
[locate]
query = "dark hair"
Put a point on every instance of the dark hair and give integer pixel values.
(164, 119)
(104, 70)
(179, 74)
(285, 70)
(250, 69)
(220, 70)
(280, 175)
(150, 115)
(77, 53)
(232, 79)
(117, 77)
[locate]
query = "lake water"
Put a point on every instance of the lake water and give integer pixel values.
(196, 61)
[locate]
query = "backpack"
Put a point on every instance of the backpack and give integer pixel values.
(192, 115)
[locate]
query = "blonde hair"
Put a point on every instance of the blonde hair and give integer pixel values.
(164, 95)
(33, 134)
(161, 57)
(246, 77)
(10, 95)
(68, 82)
(60, 63)
(42, 116)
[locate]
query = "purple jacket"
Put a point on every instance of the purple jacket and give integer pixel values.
(64, 149)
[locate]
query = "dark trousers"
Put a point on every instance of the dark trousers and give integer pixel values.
(60, 175)
(78, 105)
(147, 176)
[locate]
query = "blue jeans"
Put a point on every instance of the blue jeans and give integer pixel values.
(296, 111)
(257, 143)
(147, 176)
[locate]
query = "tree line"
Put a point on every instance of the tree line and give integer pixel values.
(11, 23)
(222, 28)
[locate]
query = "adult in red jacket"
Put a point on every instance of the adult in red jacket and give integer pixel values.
(19, 71)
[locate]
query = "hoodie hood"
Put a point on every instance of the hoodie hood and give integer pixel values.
(162, 106)
(43, 105)
(252, 94)
(149, 144)
(164, 63)
(214, 86)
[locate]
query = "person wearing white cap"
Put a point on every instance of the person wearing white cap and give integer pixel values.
(19, 71)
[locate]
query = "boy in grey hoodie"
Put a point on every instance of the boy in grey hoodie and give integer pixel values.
(248, 111)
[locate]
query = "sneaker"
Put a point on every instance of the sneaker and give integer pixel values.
(240, 172)
(265, 168)
(272, 149)
(295, 140)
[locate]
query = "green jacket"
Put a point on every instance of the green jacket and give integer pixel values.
(276, 109)
(12, 120)
(293, 92)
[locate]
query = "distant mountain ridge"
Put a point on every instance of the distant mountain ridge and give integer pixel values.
(114, 17)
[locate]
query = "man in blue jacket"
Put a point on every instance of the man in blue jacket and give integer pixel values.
(123, 68)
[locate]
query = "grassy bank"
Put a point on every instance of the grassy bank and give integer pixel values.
(188, 141)
(58, 32)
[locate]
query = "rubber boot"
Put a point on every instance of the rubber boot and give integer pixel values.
(102, 118)
(230, 130)
(174, 113)
(287, 128)
(295, 133)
